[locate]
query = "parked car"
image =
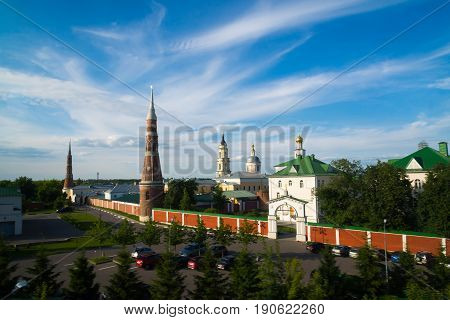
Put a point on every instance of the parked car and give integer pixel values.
(379, 253)
(181, 261)
(194, 262)
(395, 256)
(141, 250)
(424, 258)
(341, 251)
(315, 247)
(148, 260)
(226, 262)
(219, 250)
(192, 249)
(353, 253)
(64, 209)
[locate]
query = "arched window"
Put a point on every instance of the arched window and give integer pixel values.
(290, 183)
(278, 194)
(254, 188)
(301, 183)
(147, 195)
(417, 184)
(279, 183)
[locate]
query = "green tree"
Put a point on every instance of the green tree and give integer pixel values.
(219, 199)
(101, 231)
(294, 287)
(81, 283)
(169, 283)
(224, 234)
(151, 234)
(200, 234)
(186, 201)
(434, 201)
(7, 280)
(176, 190)
(125, 234)
(243, 280)
(326, 281)
(270, 276)
(210, 284)
(400, 274)
(247, 234)
(44, 282)
(27, 187)
(49, 191)
(372, 277)
(174, 234)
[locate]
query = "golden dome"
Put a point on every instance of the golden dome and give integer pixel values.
(299, 139)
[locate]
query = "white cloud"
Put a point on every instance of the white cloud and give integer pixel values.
(443, 84)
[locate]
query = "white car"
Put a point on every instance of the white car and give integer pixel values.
(353, 253)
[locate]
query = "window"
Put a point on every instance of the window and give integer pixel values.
(254, 188)
(279, 183)
(147, 195)
(417, 184)
(278, 194)
(290, 183)
(301, 183)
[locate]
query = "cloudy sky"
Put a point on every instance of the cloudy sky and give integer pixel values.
(359, 79)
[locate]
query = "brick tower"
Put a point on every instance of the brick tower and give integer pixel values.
(151, 187)
(68, 181)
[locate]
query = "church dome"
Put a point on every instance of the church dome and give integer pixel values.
(253, 159)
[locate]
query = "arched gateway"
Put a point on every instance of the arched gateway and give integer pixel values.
(287, 209)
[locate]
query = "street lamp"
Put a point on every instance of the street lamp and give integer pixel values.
(385, 252)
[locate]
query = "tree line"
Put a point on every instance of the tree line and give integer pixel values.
(366, 196)
(263, 276)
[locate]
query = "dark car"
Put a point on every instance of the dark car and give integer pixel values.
(219, 250)
(181, 261)
(315, 247)
(192, 249)
(148, 260)
(194, 262)
(379, 253)
(395, 256)
(424, 258)
(341, 251)
(226, 262)
(141, 250)
(64, 209)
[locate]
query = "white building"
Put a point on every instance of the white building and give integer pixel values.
(10, 212)
(292, 188)
(120, 190)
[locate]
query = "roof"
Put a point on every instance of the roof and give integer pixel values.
(10, 192)
(422, 160)
(130, 198)
(239, 194)
(204, 181)
(207, 197)
(253, 159)
(304, 166)
(243, 175)
(124, 188)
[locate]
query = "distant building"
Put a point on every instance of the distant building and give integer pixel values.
(79, 194)
(419, 163)
(120, 190)
(292, 186)
(10, 212)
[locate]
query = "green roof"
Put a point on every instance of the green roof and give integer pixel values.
(305, 166)
(206, 197)
(239, 194)
(9, 192)
(130, 198)
(426, 157)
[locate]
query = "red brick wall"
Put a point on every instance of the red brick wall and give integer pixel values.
(447, 246)
(393, 241)
(190, 220)
(324, 235)
(264, 228)
(209, 222)
(175, 216)
(231, 222)
(250, 222)
(415, 244)
(159, 216)
(352, 238)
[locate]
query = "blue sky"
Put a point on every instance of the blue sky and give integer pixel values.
(217, 66)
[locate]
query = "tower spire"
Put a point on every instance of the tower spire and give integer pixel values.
(151, 114)
(68, 181)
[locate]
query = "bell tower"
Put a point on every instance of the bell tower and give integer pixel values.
(223, 161)
(151, 187)
(68, 181)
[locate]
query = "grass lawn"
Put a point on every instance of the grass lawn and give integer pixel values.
(44, 211)
(81, 220)
(286, 229)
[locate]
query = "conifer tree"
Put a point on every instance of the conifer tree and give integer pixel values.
(270, 276)
(174, 234)
(151, 234)
(169, 283)
(326, 281)
(185, 202)
(372, 278)
(7, 281)
(210, 284)
(294, 287)
(244, 282)
(124, 284)
(200, 234)
(101, 231)
(43, 284)
(247, 234)
(81, 283)
(125, 233)
(401, 273)
(224, 234)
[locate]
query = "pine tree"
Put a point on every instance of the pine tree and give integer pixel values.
(43, 283)
(247, 234)
(124, 284)
(372, 278)
(270, 277)
(210, 284)
(7, 281)
(169, 283)
(185, 202)
(200, 234)
(401, 273)
(219, 199)
(224, 234)
(294, 287)
(81, 284)
(101, 231)
(125, 233)
(244, 284)
(174, 234)
(326, 281)
(151, 234)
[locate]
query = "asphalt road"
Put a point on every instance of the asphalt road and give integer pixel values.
(289, 248)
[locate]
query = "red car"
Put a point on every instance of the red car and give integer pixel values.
(148, 261)
(194, 262)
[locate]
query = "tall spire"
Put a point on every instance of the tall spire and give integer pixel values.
(151, 114)
(252, 151)
(68, 181)
(70, 148)
(222, 142)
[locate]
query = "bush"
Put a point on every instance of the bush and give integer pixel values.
(211, 210)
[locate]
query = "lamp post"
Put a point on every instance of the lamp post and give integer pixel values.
(385, 252)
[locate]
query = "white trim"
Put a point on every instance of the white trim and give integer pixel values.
(259, 227)
(238, 224)
(337, 236)
(444, 246)
(369, 238)
(404, 243)
(167, 216)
